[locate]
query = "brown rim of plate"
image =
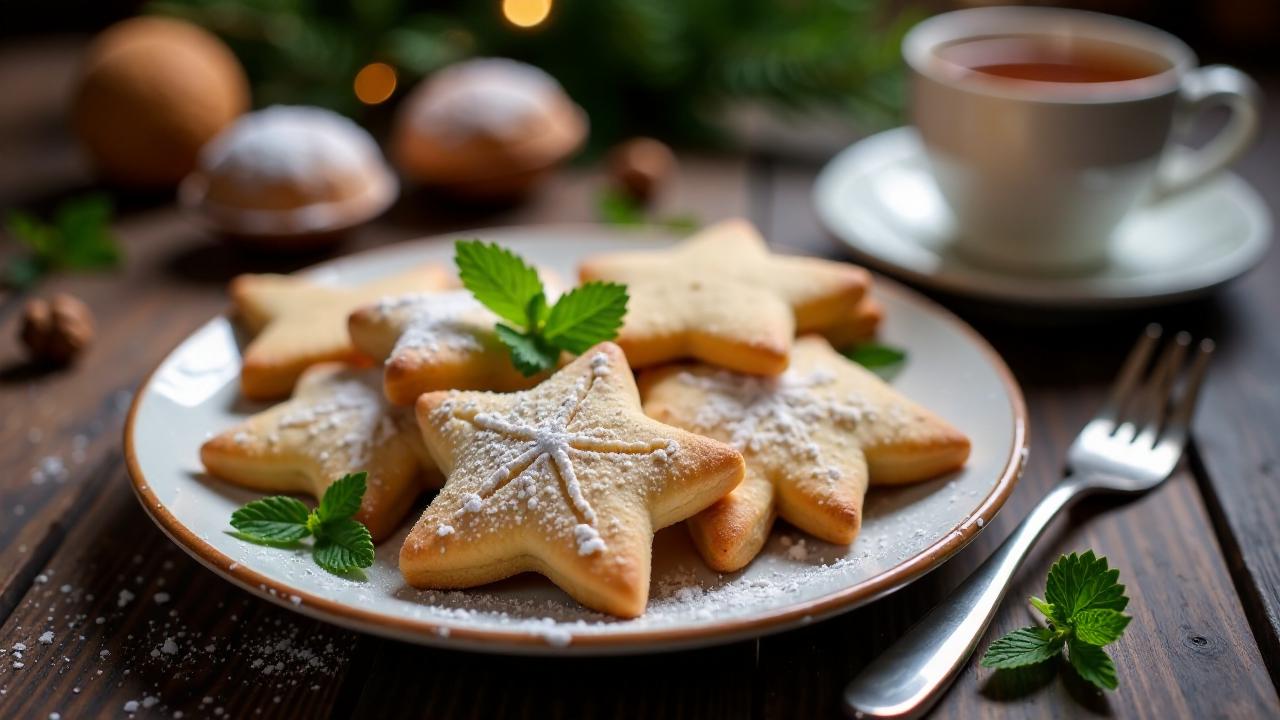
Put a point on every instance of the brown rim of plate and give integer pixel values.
(639, 641)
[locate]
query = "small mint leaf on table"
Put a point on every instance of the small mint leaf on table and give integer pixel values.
(528, 353)
(498, 278)
(342, 498)
(1084, 582)
(275, 519)
(84, 226)
(1026, 646)
(1093, 664)
(1099, 626)
(617, 208)
(345, 545)
(586, 315)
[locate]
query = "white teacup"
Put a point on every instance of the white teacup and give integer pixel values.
(1040, 167)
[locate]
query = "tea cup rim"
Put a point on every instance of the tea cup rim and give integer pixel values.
(921, 41)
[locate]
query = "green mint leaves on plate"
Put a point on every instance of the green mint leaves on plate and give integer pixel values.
(342, 543)
(1083, 605)
(534, 332)
(883, 360)
(78, 238)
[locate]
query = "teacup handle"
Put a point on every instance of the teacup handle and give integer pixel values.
(1183, 168)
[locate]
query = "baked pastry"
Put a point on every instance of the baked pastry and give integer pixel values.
(290, 174)
(723, 298)
(811, 438)
(487, 128)
(296, 322)
(435, 341)
(569, 479)
(858, 326)
(336, 423)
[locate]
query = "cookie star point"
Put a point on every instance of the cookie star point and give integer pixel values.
(568, 479)
(723, 297)
(812, 439)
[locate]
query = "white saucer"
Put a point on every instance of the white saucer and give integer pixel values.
(879, 199)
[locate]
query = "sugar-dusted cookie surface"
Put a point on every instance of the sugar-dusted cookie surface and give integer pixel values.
(435, 341)
(297, 322)
(336, 423)
(569, 479)
(723, 298)
(810, 438)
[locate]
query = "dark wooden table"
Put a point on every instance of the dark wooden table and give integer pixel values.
(1200, 556)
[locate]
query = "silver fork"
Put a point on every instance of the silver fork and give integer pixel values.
(1130, 447)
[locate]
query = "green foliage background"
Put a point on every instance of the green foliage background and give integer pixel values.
(660, 67)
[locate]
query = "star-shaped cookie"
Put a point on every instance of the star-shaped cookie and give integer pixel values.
(569, 479)
(435, 341)
(337, 422)
(723, 298)
(297, 322)
(810, 438)
(858, 326)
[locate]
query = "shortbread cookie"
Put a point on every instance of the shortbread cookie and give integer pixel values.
(336, 423)
(569, 479)
(298, 322)
(438, 341)
(858, 326)
(723, 298)
(810, 437)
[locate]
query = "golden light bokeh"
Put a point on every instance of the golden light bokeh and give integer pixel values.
(526, 13)
(374, 83)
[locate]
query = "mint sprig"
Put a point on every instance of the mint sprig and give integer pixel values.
(1083, 606)
(342, 543)
(876, 356)
(534, 332)
(78, 238)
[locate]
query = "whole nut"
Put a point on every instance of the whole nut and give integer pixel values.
(641, 166)
(56, 331)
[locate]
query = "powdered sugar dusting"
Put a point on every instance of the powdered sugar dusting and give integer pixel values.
(433, 322)
(485, 96)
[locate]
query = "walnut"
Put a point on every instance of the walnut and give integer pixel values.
(640, 167)
(57, 330)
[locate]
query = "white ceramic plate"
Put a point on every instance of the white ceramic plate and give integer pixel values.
(879, 199)
(796, 580)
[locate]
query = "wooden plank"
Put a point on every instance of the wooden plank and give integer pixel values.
(131, 619)
(1189, 650)
(1239, 448)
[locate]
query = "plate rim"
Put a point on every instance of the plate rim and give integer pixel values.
(450, 636)
(1250, 254)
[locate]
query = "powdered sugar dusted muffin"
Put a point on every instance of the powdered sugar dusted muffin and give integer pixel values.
(290, 171)
(488, 127)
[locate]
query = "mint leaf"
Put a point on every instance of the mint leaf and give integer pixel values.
(1025, 646)
(1083, 582)
(615, 207)
(873, 356)
(498, 278)
(342, 498)
(84, 227)
(586, 315)
(275, 519)
(1046, 609)
(344, 546)
(1099, 626)
(1092, 663)
(528, 353)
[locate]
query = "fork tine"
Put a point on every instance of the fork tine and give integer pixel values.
(1157, 396)
(1133, 368)
(1179, 423)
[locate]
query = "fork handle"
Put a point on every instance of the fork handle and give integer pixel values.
(909, 677)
